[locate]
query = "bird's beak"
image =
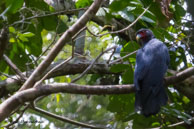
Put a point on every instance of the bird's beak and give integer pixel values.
(138, 36)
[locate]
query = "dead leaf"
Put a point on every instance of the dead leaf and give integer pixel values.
(164, 6)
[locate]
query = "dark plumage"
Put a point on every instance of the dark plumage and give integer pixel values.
(152, 61)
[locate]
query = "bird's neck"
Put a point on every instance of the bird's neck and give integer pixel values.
(146, 40)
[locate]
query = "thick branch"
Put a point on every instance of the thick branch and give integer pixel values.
(179, 77)
(30, 94)
(75, 66)
(19, 98)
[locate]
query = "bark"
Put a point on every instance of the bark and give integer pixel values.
(21, 97)
(186, 88)
(76, 66)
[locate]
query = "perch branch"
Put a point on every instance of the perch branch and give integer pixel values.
(21, 97)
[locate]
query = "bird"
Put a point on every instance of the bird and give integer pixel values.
(152, 61)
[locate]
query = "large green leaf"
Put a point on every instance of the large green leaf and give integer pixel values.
(122, 105)
(128, 48)
(49, 23)
(127, 15)
(34, 44)
(123, 4)
(119, 68)
(62, 27)
(180, 12)
(37, 4)
(14, 5)
(127, 76)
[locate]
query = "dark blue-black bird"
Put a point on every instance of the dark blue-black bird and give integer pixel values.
(152, 62)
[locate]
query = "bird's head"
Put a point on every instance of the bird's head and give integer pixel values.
(143, 36)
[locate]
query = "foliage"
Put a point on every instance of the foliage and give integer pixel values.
(31, 31)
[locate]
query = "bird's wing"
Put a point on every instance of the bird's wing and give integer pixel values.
(141, 68)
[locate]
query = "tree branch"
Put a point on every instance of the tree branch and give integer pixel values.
(124, 29)
(14, 67)
(19, 98)
(50, 14)
(65, 119)
(61, 42)
(121, 58)
(16, 121)
(53, 69)
(179, 77)
(75, 66)
(92, 64)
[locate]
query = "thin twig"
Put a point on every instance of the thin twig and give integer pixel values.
(84, 28)
(16, 121)
(47, 15)
(66, 119)
(173, 125)
(59, 65)
(124, 29)
(53, 69)
(91, 65)
(111, 55)
(180, 123)
(121, 58)
(14, 67)
(48, 46)
(8, 76)
(95, 35)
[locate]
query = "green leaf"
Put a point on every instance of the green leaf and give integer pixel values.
(123, 105)
(141, 122)
(14, 5)
(23, 38)
(180, 11)
(83, 3)
(49, 23)
(118, 5)
(18, 56)
(119, 68)
(12, 30)
(171, 29)
(129, 47)
(147, 19)
(126, 15)
(62, 27)
(28, 34)
(127, 76)
(122, 4)
(58, 96)
(155, 124)
(38, 4)
(34, 46)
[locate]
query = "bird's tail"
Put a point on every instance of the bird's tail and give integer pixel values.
(150, 104)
